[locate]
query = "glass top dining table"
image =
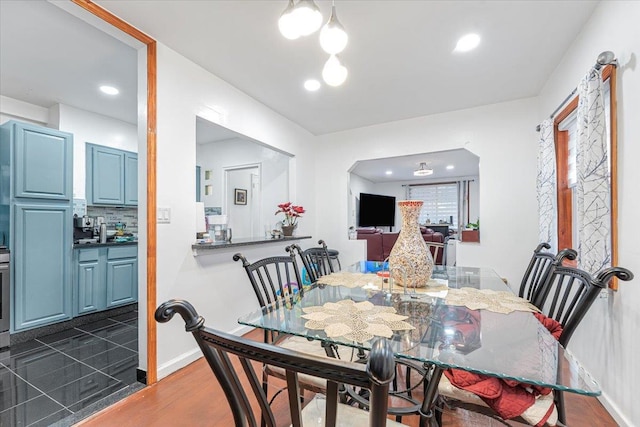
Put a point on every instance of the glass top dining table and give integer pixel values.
(510, 346)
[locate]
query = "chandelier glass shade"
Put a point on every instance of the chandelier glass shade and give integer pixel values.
(333, 37)
(287, 24)
(334, 73)
(307, 17)
(303, 17)
(423, 170)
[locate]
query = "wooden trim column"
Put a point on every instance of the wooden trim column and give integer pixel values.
(152, 375)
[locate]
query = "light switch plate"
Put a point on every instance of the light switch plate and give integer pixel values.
(163, 216)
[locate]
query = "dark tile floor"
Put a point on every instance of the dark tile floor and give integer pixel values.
(60, 378)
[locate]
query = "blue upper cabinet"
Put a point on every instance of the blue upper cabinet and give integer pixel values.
(42, 161)
(130, 179)
(112, 176)
(105, 175)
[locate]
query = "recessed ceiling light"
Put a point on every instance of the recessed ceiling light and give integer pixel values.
(449, 167)
(109, 90)
(467, 43)
(388, 173)
(312, 85)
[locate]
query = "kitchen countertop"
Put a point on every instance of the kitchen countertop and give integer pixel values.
(202, 248)
(99, 245)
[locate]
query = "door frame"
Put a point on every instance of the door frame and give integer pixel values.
(226, 189)
(152, 371)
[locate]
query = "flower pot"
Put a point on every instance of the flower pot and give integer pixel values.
(410, 259)
(287, 230)
(471, 236)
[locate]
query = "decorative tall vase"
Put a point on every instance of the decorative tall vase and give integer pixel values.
(410, 259)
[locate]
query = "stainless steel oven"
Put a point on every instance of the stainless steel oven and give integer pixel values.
(5, 302)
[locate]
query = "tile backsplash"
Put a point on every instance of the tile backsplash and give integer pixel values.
(128, 216)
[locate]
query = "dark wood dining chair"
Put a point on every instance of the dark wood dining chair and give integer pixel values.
(275, 281)
(538, 269)
(565, 296)
(218, 346)
(317, 261)
(272, 278)
(436, 248)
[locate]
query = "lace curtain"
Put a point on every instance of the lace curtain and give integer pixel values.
(593, 181)
(546, 187)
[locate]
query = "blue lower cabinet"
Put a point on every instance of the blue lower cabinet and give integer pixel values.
(88, 287)
(42, 252)
(105, 277)
(122, 281)
(89, 282)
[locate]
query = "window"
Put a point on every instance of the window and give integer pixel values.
(565, 138)
(569, 127)
(440, 202)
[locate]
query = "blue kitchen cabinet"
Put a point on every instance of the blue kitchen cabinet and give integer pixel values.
(105, 175)
(89, 282)
(105, 277)
(41, 161)
(111, 176)
(122, 282)
(36, 189)
(130, 179)
(41, 250)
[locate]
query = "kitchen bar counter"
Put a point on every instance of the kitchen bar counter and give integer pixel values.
(204, 248)
(101, 245)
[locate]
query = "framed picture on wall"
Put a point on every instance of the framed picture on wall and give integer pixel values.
(240, 197)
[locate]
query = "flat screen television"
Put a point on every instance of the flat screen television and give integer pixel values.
(377, 210)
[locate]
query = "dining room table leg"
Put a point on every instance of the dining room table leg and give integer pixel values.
(428, 409)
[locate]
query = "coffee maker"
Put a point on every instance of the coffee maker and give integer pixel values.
(83, 229)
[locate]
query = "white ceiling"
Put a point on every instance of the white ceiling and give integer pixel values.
(465, 163)
(48, 56)
(399, 55)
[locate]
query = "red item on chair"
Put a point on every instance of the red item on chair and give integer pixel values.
(508, 398)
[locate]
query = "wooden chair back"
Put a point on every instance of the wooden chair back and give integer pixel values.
(217, 346)
(274, 278)
(569, 292)
(538, 269)
(316, 261)
(436, 248)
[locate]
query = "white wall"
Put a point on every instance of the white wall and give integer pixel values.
(607, 340)
(237, 152)
(96, 129)
(501, 135)
(356, 185)
(239, 216)
(217, 286)
(15, 109)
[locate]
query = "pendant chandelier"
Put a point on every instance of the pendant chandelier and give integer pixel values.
(304, 18)
(423, 170)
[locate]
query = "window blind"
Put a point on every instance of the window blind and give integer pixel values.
(440, 202)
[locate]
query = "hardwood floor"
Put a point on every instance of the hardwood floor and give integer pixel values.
(193, 397)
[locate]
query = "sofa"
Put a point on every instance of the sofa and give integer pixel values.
(379, 243)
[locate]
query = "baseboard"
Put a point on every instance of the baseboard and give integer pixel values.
(241, 330)
(614, 411)
(604, 399)
(191, 356)
(179, 362)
